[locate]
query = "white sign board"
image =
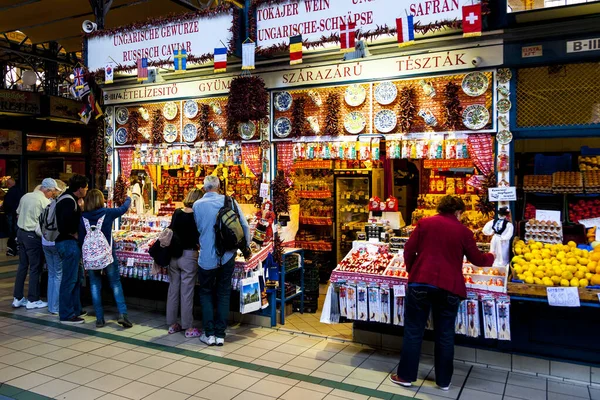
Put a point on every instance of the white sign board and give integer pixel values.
(314, 19)
(369, 69)
(547, 215)
(579, 46)
(508, 193)
(198, 37)
(563, 296)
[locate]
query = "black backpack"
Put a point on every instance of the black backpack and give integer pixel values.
(229, 234)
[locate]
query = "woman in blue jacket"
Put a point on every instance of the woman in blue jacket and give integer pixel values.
(94, 209)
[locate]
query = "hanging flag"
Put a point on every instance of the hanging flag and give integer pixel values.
(406, 30)
(79, 93)
(471, 20)
(142, 69)
(180, 60)
(85, 114)
(296, 49)
(94, 105)
(78, 78)
(108, 74)
(248, 52)
(348, 37)
(220, 59)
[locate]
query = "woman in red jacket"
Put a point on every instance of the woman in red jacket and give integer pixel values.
(434, 258)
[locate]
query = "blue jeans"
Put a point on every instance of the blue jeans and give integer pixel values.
(215, 282)
(114, 280)
(420, 299)
(69, 304)
(54, 277)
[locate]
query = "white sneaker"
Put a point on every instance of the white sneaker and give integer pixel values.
(208, 340)
(220, 341)
(19, 303)
(36, 304)
(444, 388)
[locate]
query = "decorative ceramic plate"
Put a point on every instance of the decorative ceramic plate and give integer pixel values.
(475, 84)
(109, 131)
(386, 93)
(122, 115)
(190, 131)
(121, 136)
(475, 116)
(503, 75)
(190, 109)
(503, 91)
(503, 105)
(355, 122)
(503, 120)
(385, 121)
(282, 101)
(247, 130)
(504, 137)
(108, 113)
(355, 95)
(170, 133)
(109, 150)
(170, 110)
(282, 127)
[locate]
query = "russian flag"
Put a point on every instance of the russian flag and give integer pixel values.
(406, 30)
(220, 59)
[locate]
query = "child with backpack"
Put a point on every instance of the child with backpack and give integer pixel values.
(98, 252)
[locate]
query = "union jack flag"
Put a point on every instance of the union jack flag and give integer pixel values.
(78, 78)
(142, 69)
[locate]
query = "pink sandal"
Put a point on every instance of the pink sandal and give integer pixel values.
(175, 328)
(192, 333)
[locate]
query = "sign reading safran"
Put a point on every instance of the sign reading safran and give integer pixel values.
(314, 19)
(198, 36)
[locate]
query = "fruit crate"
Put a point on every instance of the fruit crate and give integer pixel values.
(311, 303)
(311, 279)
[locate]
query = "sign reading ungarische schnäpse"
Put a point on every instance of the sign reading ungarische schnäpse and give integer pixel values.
(198, 35)
(315, 19)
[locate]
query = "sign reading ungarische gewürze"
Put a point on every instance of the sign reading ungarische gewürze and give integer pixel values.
(199, 36)
(314, 19)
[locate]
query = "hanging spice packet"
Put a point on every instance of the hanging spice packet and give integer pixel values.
(490, 320)
(503, 312)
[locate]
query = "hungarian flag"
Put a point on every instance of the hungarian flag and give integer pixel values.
(296, 49)
(406, 30)
(142, 69)
(348, 37)
(471, 20)
(180, 60)
(220, 59)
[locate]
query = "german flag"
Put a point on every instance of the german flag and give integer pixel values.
(296, 49)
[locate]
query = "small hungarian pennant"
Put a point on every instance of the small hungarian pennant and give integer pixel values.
(142, 69)
(296, 49)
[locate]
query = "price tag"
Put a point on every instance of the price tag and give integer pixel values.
(399, 291)
(563, 296)
(547, 215)
(130, 261)
(503, 193)
(264, 190)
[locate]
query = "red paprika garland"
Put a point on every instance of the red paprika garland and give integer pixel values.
(158, 125)
(332, 121)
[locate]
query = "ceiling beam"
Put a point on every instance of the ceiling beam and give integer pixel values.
(189, 4)
(19, 4)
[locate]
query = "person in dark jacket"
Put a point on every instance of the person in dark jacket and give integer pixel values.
(10, 204)
(434, 258)
(68, 214)
(94, 209)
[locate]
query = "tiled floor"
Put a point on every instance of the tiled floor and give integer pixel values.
(42, 359)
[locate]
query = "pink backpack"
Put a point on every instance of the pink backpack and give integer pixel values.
(96, 251)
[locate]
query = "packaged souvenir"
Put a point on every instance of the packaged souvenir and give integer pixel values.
(398, 308)
(374, 303)
(362, 307)
(385, 304)
(343, 301)
(473, 329)
(490, 320)
(351, 301)
(503, 313)
(460, 327)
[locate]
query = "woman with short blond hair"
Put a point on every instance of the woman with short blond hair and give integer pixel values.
(184, 267)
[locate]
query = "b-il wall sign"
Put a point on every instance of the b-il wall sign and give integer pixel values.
(314, 19)
(198, 36)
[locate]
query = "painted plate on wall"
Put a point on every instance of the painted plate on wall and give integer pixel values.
(170, 110)
(386, 93)
(190, 131)
(190, 109)
(503, 75)
(109, 131)
(121, 136)
(282, 101)
(282, 127)
(355, 122)
(122, 115)
(108, 113)
(247, 130)
(475, 116)
(170, 133)
(475, 84)
(109, 150)
(385, 121)
(504, 137)
(503, 105)
(355, 95)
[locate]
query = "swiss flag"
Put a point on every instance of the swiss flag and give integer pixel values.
(471, 20)
(348, 36)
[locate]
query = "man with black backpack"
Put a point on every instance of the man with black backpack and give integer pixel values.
(223, 231)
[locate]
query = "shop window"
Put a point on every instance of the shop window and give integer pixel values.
(560, 95)
(53, 144)
(514, 6)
